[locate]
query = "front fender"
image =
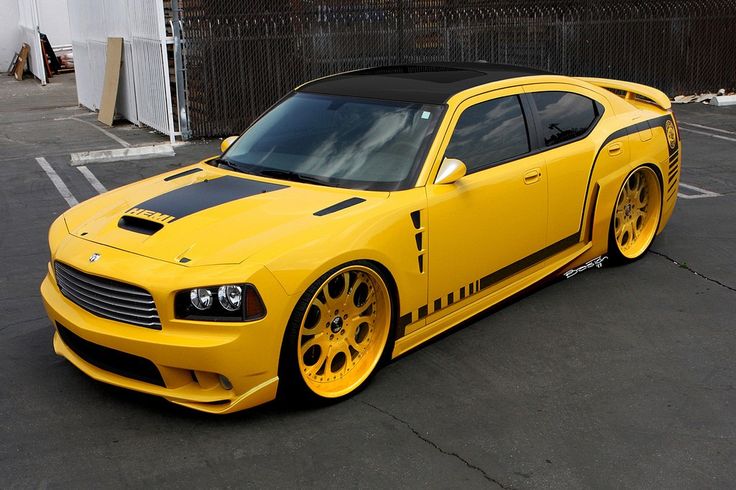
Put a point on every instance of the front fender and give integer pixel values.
(386, 236)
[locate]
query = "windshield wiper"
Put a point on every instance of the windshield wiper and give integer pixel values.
(221, 162)
(292, 176)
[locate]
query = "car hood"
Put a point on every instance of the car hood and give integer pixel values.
(206, 216)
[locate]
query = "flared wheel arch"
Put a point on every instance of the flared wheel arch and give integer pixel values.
(611, 212)
(288, 387)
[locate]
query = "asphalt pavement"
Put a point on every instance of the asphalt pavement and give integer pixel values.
(621, 377)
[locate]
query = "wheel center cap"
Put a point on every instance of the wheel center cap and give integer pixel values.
(627, 209)
(336, 324)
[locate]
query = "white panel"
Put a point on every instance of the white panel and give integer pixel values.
(97, 57)
(82, 74)
(9, 32)
(126, 90)
(144, 92)
(150, 65)
(151, 87)
(54, 21)
(28, 24)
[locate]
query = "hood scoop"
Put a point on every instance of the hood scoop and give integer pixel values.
(139, 225)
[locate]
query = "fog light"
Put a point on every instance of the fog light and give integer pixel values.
(225, 383)
(201, 298)
(231, 297)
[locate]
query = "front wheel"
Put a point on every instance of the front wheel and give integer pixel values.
(337, 333)
(636, 215)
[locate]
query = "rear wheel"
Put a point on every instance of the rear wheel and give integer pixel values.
(337, 333)
(636, 215)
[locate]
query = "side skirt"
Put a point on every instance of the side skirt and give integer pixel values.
(516, 284)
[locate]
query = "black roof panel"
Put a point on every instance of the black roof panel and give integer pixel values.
(426, 83)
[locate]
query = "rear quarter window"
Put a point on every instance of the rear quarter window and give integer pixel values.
(565, 116)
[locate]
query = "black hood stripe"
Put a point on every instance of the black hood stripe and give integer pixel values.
(341, 205)
(183, 174)
(203, 195)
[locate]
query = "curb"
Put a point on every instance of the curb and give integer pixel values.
(723, 100)
(119, 154)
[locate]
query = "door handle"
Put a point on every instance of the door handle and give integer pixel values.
(615, 149)
(532, 176)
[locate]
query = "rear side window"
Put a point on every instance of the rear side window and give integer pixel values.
(489, 133)
(564, 116)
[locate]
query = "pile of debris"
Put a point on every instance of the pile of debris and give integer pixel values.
(56, 60)
(720, 98)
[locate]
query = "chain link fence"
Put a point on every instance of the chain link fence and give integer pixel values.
(240, 57)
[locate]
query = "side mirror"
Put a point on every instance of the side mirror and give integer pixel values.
(450, 171)
(226, 143)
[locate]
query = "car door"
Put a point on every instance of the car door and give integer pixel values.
(565, 117)
(484, 225)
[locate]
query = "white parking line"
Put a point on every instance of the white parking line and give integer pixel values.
(56, 180)
(706, 127)
(703, 192)
(708, 134)
(122, 142)
(92, 179)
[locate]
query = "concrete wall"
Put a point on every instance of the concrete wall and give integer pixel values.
(9, 32)
(54, 22)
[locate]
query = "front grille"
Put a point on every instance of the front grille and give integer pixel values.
(111, 360)
(107, 298)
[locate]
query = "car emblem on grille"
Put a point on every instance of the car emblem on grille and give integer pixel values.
(94, 257)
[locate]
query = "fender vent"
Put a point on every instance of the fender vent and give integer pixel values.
(139, 225)
(416, 220)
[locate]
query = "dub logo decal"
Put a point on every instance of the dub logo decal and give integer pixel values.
(669, 129)
(596, 262)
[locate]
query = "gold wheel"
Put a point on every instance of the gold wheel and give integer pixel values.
(343, 331)
(636, 217)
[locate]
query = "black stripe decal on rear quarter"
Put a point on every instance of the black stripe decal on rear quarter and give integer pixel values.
(340, 205)
(656, 122)
(204, 195)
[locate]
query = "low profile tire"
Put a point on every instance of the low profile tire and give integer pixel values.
(337, 334)
(636, 215)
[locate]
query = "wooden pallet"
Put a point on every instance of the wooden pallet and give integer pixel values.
(20, 63)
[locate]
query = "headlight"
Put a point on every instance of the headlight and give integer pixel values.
(201, 298)
(226, 303)
(230, 297)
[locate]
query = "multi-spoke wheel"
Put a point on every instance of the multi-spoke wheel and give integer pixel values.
(636, 215)
(338, 332)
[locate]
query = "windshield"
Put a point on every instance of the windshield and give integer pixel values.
(338, 141)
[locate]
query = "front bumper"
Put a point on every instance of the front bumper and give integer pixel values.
(190, 356)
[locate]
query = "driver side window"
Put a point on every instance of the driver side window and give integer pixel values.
(490, 133)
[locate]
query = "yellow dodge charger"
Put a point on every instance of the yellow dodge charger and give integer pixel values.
(362, 215)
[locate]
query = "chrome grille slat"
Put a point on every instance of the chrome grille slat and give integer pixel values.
(108, 293)
(107, 298)
(102, 300)
(103, 283)
(109, 313)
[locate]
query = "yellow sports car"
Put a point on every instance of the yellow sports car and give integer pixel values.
(362, 215)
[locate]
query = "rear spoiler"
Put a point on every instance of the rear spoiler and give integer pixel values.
(633, 91)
